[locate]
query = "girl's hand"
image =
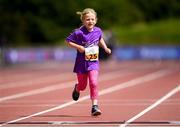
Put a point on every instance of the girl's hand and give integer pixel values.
(108, 50)
(81, 49)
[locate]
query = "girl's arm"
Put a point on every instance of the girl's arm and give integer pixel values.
(103, 45)
(80, 48)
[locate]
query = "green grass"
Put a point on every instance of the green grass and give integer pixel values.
(165, 32)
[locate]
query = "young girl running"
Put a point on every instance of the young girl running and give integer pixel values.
(87, 40)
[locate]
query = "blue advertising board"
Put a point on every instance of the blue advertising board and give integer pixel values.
(147, 53)
(69, 54)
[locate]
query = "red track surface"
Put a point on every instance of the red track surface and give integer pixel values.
(136, 93)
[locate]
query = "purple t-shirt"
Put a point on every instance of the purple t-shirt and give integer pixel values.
(85, 38)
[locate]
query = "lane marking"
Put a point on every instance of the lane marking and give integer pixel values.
(133, 82)
(37, 80)
(169, 94)
(108, 102)
(54, 87)
(82, 105)
(38, 91)
(44, 78)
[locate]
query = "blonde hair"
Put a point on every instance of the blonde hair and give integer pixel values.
(86, 11)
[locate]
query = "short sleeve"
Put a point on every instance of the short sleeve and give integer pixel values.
(75, 37)
(72, 37)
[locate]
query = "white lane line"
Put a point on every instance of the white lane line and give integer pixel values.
(115, 102)
(44, 78)
(133, 82)
(169, 94)
(54, 87)
(37, 80)
(39, 91)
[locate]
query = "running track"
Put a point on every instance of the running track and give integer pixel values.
(133, 93)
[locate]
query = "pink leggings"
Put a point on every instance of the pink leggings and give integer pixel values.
(93, 83)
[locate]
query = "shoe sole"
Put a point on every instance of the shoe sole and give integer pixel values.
(96, 113)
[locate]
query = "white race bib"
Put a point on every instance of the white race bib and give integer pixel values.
(92, 53)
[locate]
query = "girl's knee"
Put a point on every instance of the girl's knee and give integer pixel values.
(93, 85)
(82, 86)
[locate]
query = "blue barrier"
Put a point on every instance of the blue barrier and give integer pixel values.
(69, 54)
(39, 55)
(126, 53)
(147, 53)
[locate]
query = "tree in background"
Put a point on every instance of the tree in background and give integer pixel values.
(157, 9)
(36, 22)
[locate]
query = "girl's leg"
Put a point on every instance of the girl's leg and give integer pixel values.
(81, 85)
(82, 82)
(93, 84)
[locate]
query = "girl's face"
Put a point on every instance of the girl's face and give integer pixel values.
(89, 21)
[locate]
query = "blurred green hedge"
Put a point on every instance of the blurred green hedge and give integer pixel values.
(48, 22)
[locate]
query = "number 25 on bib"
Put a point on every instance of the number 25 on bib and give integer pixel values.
(92, 53)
